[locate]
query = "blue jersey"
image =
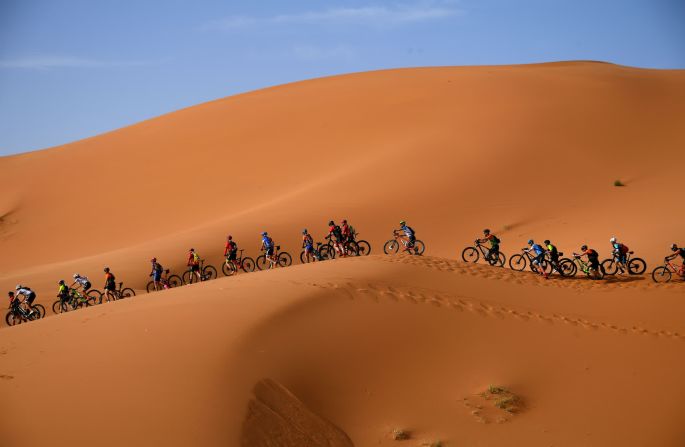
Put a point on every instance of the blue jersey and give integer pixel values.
(267, 241)
(537, 248)
(407, 231)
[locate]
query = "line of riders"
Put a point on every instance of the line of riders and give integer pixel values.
(544, 259)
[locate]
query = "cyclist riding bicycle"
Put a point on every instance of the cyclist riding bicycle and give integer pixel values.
(15, 304)
(410, 233)
(592, 257)
(63, 291)
(268, 246)
(539, 253)
(494, 244)
(620, 251)
(110, 285)
(553, 253)
(194, 263)
(81, 281)
(29, 296)
(308, 245)
(156, 273)
(677, 251)
(336, 236)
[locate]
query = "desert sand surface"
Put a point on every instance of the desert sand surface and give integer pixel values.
(347, 351)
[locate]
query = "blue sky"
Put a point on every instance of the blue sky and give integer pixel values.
(70, 69)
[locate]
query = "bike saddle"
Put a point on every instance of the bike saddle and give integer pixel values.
(561, 253)
(278, 247)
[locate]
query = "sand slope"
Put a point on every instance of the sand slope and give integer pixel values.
(358, 347)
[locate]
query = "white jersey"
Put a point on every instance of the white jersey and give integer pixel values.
(82, 280)
(24, 291)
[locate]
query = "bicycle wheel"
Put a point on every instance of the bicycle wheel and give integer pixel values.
(470, 254)
(189, 277)
(567, 268)
(324, 252)
(500, 261)
(209, 273)
(637, 266)
(150, 287)
(127, 293)
(247, 264)
(661, 274)
(40, 308)
(610, 267)
(351, 249)
(419, 248)
(94, 297)
(261, 262)
(518, 263)
(303, 258)
(59, 306)
(364, 248)
(228, 268)
(284, 259)
(175, 281)
(12, 320)
(391, 247)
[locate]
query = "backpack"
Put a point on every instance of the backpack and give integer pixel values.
(337, 232)
(623, 248)
(196, 257)
(111, 278)
(411, 230)
(495, 240)
(158, 268)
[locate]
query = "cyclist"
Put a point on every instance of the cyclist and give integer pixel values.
(592, 257)
(494, 244)
(231, 251)
(29, 296)
(346, 231)
(63, 292)
(677, 251)
(194, 263)
(15, 305)
(336, 236)
(410, 233)
(539, 253)
(553, 254)
(620, 252)
(82, 282)
(268, 246)
(110, 286)
(156, 273)
(308, 245)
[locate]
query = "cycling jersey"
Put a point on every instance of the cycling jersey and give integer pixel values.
(408, 231)
(26, 292)
(230, 246)
(156, 268)
(620, 248)
(537, 248)
(193, 258)
(268, 242)
(63, 290)
(552, 250)
(591, 254)
(346, 230)
(308, 241)
(681, 253)
(82, 280)
(494, 241)
(336, 232)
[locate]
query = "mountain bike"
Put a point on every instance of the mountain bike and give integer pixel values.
(166, 282)
(278, 259)
(666, 272)
(565, 266)
(119, 293)
(393, 245)
(350, 248)
(519, 262)
(246, 264)
(636, 266)
(473, 254)
(579, 264)
(317, 254)
(17, 315)
(77, 300)
(207, 272)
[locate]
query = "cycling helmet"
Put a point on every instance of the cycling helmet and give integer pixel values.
(192, 249)
(19, 286)
(61, 282)
(76, 275)
(264, 233)
(153, 260)
(613, 240)
(584, 247)
(304, 231)
(344, 221)
(546, 242)
(331, 223)
(486, 231)
(530, 242)
(10, 294)
(674, 247)
(230, 238)
(106, 269)
(402, 222)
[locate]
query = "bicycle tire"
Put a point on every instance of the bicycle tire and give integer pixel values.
(247, 264)
(175, 281)
(40, 308)
(567, 268)
(127, 293)
(518, 262)
(419, 247)
(303, 258)
(610, 267)
(96, 296)
(391, 247)
(364, 248)
(661, 275)
(209, 272)
(150, 287)
(470, 254)
(324, 252)
(351, 248)
(284, 259)
(12, 320)
(637, 266)
(59, 307)
(261, 263)
(500, 261)
(189, 277)
(228, 268)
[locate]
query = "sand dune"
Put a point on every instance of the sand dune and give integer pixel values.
(353, 349)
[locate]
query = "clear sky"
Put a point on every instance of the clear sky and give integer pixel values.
(70, 69)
